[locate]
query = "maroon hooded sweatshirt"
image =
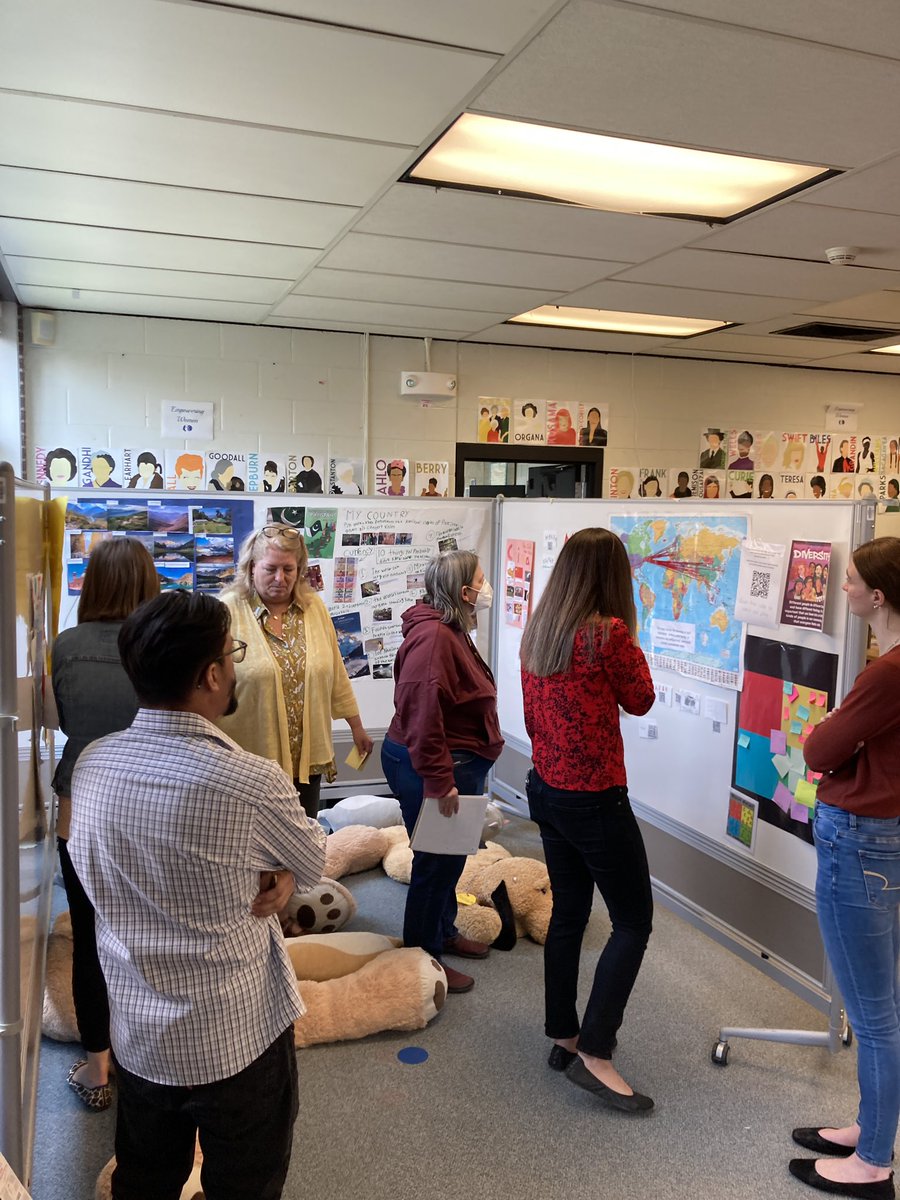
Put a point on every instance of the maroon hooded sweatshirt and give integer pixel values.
(444, 698)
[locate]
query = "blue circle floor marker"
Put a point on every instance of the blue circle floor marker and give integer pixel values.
(412, 1055)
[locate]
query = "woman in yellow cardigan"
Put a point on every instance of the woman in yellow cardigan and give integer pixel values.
(292, 681)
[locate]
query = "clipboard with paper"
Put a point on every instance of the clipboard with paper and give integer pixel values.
(459, 834)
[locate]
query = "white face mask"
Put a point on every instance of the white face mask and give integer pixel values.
(484, 596)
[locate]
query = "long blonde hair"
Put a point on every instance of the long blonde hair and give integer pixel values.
(590, 583)
(278, 537)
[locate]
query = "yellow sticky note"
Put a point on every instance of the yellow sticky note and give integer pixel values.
(466, 898)
(355, 760)
(805, 793)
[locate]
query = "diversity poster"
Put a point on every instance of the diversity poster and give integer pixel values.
(653, 482)
(806, 585)
(529, 422)
(518, 577)
(494, 413)
(787, 691)
(432, 479)
(685, 574)
(346, 477)
(564, 421)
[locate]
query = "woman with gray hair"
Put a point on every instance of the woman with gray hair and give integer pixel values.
(293, 679)
(443, 740)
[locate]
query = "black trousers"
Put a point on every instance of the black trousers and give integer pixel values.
(88, 984)
(245, 1124)
(309, 794)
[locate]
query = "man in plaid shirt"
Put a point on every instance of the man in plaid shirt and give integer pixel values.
(187, 845)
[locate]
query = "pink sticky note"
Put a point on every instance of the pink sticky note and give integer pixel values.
(794, 694)
(777, 741)
(783, 798)
(785, 713)
(799, 812)
(807, 730)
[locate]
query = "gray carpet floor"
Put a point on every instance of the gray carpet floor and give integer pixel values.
(484, 1115)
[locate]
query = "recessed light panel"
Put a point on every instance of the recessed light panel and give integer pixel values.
(610, 173)
(886, 350)
(616, 322)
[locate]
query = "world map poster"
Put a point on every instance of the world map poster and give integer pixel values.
(685, 572)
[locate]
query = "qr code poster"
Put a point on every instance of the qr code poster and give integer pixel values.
(760, 581)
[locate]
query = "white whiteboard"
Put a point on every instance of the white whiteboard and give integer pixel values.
(685, 774)
(373, 550)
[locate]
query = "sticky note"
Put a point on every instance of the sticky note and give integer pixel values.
(788, 688)
(796, 727)
(781, 764)
(783, 798)
(743, 740)
(800, 812)
(807, 730)
(355, 760)
(805, 793)
(794, 694)
(777, 741)
(785, 713)
(794, 778)
(802, 712)
(813, 697)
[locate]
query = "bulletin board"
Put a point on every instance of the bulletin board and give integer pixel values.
(685, 556)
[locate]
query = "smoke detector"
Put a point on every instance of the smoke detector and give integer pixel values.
(842, 256)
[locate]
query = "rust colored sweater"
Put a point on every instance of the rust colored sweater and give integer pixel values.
(857, 745)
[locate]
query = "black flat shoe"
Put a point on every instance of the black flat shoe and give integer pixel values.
(810, 1139)
(582, 1077)
(560, 1057)
(804, 1169)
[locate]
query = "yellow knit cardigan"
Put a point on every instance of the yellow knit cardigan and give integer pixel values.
(260, 724)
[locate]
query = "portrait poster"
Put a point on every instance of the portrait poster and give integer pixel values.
(273, 477)
(143, 469)
(432, 479)
(101, 467)
(346, 477)
(593, 428)
(740, 485)
(57, 465)
(712, 484)
(766, 449)
(818, 453)
(741, 455)
(185, 471)
(494, 414)
(653, 482)
(806, 585)
(304, 474)
(564, 420)
(681, 483)
(793, 453)
(232, 470)
(392, 476)
(843, 452)
(789, 485)
(529, 422)
(787, 691)
(518, 578)
(622, 483)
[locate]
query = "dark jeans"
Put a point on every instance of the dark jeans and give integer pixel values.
(309, 794)
(245, 1125)
(430, 917)
(88, 984)
(591, 838)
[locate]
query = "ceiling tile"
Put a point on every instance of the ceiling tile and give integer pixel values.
(739, 342)
(142, 306)
(210, 60)
(438, 293)
(873, 306)
(96, 139)
(566, 339)
(679, 301)
(82, 199)
(311, 307)
(472, 23)
(449, 335)
(86, 243)
(476, 219)
(443, 260)
(875, 188)
(620, 69)
(42, 272)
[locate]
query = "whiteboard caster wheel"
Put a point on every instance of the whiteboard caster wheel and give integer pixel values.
(720, 1054)
(846, 1030)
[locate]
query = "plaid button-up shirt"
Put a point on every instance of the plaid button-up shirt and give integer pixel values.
(171, 824)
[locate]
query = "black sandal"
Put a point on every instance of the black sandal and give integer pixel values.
(97, 1098)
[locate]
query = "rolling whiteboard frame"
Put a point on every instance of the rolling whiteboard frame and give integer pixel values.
(428, 520)
(680, 783)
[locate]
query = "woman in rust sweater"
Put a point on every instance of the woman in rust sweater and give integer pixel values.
(857, 835)
(580, 662)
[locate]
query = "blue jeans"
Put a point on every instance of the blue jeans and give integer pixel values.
(591, 838)
(857, 897)
(246, 1126)
(430, 917)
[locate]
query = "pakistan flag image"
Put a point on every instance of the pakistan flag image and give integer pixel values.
(685, 573)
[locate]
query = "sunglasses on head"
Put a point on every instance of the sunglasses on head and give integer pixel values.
(288, 532)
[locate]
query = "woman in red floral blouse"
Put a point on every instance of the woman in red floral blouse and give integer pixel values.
(580, 662)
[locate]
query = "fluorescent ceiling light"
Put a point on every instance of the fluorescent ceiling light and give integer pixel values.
(616, 322)
(887, 350)
(611, 173)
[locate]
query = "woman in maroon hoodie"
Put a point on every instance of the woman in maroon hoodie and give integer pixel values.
(443, 740)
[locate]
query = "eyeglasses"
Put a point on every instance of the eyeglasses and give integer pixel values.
(238, 650)
(288, 532)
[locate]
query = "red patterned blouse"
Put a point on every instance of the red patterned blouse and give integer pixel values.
(572, 717)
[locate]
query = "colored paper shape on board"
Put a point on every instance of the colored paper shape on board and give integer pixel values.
(800, 812)
(783, 797)
(794, 694)
(788, 687)
(802, 712)
(805, 793)
(782, 764)
(798, 762)
(807, 730)
(778, 741)
(794, 778)
(813, 776)
(786, 713)
(796, 727)
(743, 740)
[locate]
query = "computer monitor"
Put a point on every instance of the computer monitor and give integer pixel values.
(560, 481)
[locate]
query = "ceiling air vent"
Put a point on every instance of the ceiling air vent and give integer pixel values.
(832, 332)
